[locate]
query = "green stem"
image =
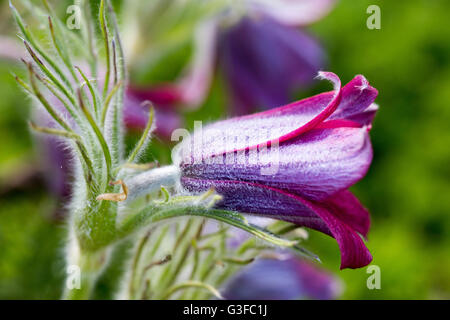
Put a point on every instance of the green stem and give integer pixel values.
(108, 101)
(154, 214)
(91, 90)
(60, 48)
(48, 73)
(144, 136)
(191, 284)
(45, 103)
(29, 37)
(104, 28)
(134, 268)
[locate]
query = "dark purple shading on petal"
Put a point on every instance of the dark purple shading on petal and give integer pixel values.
(288, 279)
(327, 217)
(264, 61)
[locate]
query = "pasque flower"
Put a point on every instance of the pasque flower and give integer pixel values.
(293, 163)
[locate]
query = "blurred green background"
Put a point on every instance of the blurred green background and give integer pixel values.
(407, 188)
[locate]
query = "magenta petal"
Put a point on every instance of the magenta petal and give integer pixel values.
(268, 127)
(354, 253)
(347, 208)
(354, 102)
(274, 203)
(357, 102)
(292, 163)
(165, 95)
(358, 96)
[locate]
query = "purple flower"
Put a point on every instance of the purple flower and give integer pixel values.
(264, 61)
(293, 163)
(265, 57)
(286, 279)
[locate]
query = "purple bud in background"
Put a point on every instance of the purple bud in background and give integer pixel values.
(285, 279)
(265, 61)
(265, 57)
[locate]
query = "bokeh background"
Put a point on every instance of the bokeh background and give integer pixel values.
(407, 188)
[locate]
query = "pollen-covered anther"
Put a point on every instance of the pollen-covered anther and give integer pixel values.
(117, 197)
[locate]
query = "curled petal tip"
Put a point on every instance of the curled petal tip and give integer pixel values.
(330, 76)
(326, 75)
